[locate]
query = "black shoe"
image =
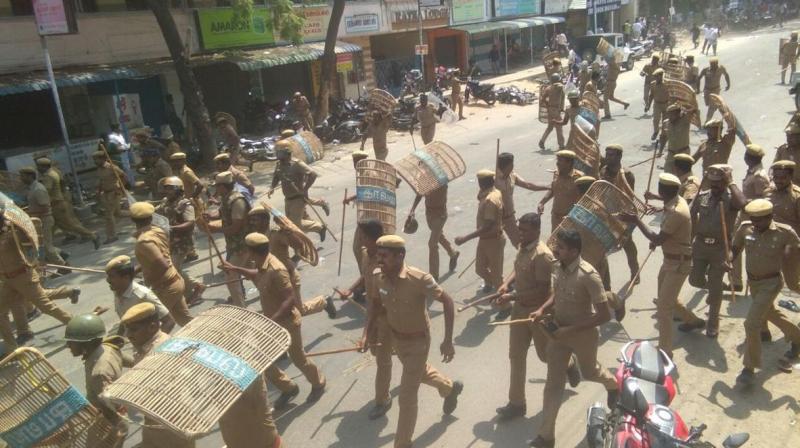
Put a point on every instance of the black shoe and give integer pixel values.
(110, 240)
(793, 353)
(315, 394)
(654, 136)
(323, 234)
(74, 295)
(23, 338)
(330, 308)
(63, 271)
(766, 336)
(326, 208)
(191, 257)
(511, 411)
(285, 397)
(96, 242)
(574, 373)
(612, 398)
(358, 297)
(746, 378)
(687, 327)
(502, 314)
(379, 410)
(451, 401)
(454, 261)
(619, 313)
(539, 442)
(33, 314)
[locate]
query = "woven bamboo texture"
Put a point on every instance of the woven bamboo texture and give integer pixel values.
(684, 94)
(23, 222)
(227, 117)
(40, 408)
(302, 245)
(592, 101)
(11, 182)
(543, 115)
(376, 183)
(432, 166)
(189, 388)
(551, 67)
(306, 146)
(586, 150)
(674, 67)
(382, 101)
(730, 118)
(594, 216)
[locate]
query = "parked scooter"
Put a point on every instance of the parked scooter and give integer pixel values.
(481, 91)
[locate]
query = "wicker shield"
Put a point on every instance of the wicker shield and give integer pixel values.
(549, 59)
(22, 222)
(189, 381)
(543, 116)
(730, 118)
(594, 216)
(674, 68)
(592, 101)
(382, 101)
(376, 182)
(306, 146)
(609, 52)
(586, 150)
(684, 94)
(430, 167)
(227, 117)
(40, 408)
(306, 249)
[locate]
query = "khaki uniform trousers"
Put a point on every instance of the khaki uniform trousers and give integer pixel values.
(554, 114)
(763, 310)
(489, 260)
(555, 220)
(785, 65)
(671, 277)
(381, 151)
(51, 254)
(427, 133)
(519, 341)
(707, 99)
(249, 423)
(111, 210)
(22, 288)
(511, 229)
(171, 295)
(413, 355)
(236, 289)
(646, 91)
(308, 121)
(632, 255)
(65, 220)
(584, 345)
(296, 353)
(457, 100)
(178, 260)
(707, 271)
(436, 220)
(791, 271)
(313, 306)
(736, 277)
(383, 358)
(295, 211)
(658, 115)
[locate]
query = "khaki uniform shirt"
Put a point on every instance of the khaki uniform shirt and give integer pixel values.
(158, 171)
(292, 176)
(52, 181)
(713, 79)
(404, 299)
(436, 200)
(793, 154)
(708, 223)
(301, 105)
(190, 181)
(426, 115)
(755, 183)
(677, 223)
(229, 136)
(691, 73)
(233, 208)
(789, 52)
(554, 97)
(38, 200)
(101, 368)
(583, 78)
(370, 264)
(677, 133)
(273, 283)
(613, 73)
(455, 87)
(765, 250)
(533, 268)
(107, 180)
(786, 206)
(590, 87)
(506, 187)
(659, 93)
(12, 261)
(134, 295)
(648, 70)
(178, 212)
(717, 152)
(240, 178)
(378, 130)
(565, 193)
(140, 352)
(490, 211)
(690, 186)
(624, 179)
(151, 245)
(577, 289)
(279, 246)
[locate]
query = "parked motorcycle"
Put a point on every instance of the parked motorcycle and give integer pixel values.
(259, 150)
(513, 95)
(481, 91)
(641, 48)
(412, 82)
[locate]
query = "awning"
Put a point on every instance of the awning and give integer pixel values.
(513, 24)
(273, 57)
(530, 22)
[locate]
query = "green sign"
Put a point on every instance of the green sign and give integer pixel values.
(465, 11)
(218, 29)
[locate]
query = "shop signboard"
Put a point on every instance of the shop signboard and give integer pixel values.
(220, 29)
(503, 8)
(362, 23)
(602, 6)
(403, 15)
(556, 6)
(421, 50)
(81, 156)
(315, 25)
(55, 17)
(344, 62)
(466, 11)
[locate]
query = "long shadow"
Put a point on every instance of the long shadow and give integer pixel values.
(746, 400)
(476, 329)
(702, 352)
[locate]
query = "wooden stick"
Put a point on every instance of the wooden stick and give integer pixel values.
(226, 282)
(466, 268)
(340, 350)
(73, 268)
(204, 224)
(638, 273)
(358, 305)
(642, 162)
(327, 228)
(650, 177)
(478, 302)
(511, 322)
(341, 235)
(496, 156)
(727, 249)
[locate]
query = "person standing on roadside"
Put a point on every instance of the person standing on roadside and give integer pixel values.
(425, 115)
(695, 35)
(494, 56)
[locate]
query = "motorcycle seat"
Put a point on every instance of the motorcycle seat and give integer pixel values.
(646, 363)
(653, 392)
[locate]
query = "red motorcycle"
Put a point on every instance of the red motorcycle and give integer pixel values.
(645, 367)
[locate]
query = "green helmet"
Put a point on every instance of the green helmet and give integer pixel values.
(85, 328)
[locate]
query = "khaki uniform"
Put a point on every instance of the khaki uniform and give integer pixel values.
(455, 97)
(303, 110)
(659, 95)
(190, 181)
(110, 192)
(788, 57)
(713, 84)
(647, 71)
(577, 289)
(101, 368)
(234, 207)
(39, 207)
(786, 210)
(155, 173)
(279, 247)
(63, 215)
(716, 152)
(554, 101)
(241, 178)
(180, 244)
(292, 177)
(611, 86)
(754, 186)
(436, 217)
(691, 76)
(405, 300)
(590, 87)
(677, 250)
(168, 286)
(786, 153)
(381, 333)
(378, 130)
(690, 186)
(764, 252)
(675, 134)
(20, 284)
(625, 181)
(489, 254)
(273, 282)
(584, 76)
(506, 187)
(248, 422)
(426, 116)
(533, 267)
(565, 195)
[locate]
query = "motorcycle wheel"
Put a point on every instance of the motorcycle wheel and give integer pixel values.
(490, 99)
(629, 63)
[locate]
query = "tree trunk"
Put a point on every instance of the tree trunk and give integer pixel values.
(192, 97)
(329, 61)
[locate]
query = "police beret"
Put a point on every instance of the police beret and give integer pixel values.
(178, 156)
(358, 155)
(614, 147)
(257, 211)
(673, 107)
(566, 153)
(714, 60)
(225, 177)
(669, 179)
(682, 157)
(484, 174)
(44, 161)
(139, 312)
(222, 157)
(391, 241)
(172, 181)
(98, 154)
(140, 210)
(256, 239)
(283, 146)
(714, 122)
(758, 207)
(755, 150)
(658, 71)
(121, 261)
(717, 171)
(286, 133)
(783, 165)
(792, 128)
(27, 170)
(583, 180)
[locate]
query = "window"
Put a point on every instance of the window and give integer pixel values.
(22, 7)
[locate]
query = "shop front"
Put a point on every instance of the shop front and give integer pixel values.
(603, 15)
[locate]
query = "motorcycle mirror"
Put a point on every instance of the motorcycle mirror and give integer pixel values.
(641, 406)
(736, 440)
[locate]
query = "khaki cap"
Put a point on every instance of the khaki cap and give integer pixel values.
(614, 147)
(656, 57)
(583, 180)
(256, 239)
(222, 157)
(713, 123)
(391, 241)
(139, 312)
(792, 128)
(758, 207)
(286, 133)
(755, 150)
(713, 60)
(27, 170)
(99, 154)
(783, 165)
(359, 155)
(118, 262)
(566, 153)
(669, 180)
(140, 210)
(225, 177)
(673, 107)
(484, 174)
(44, 161)
(172, 181)
(178, 156)
(283, 146)
(682, 157)
(658, 71)
(717, 171)
(257, 211)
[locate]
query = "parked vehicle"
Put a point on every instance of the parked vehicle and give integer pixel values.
(641, 48)
(480, 91)
(412, 82)
(586, 47)
(513, 95)
(259, 150)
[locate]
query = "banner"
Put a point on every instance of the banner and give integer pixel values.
(315, 26)
(55, 17)
(556, 6)
(218, 29)
(465, 11)
(362, 23)
(516, 7)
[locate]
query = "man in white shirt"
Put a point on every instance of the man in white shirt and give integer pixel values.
(127, 293)
(713, 34)
(637, 29)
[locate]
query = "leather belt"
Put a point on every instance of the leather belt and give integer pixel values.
(677, 257)
(13, 274)
(707, 240)
(409, 336)
(755, 278)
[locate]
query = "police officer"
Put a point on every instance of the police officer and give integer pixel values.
(302, 108)
(623, 179)
(505, 181)
(592, 250)
(63, 215)
(659, 96)
(128, 293)
(456, 101)
(708, 246)
(157, 169)
(531, 285)
(39, 207)
(403, 292)
(222, 163)
(155, 262)
(713, 76)
(610, 87)
(562, 189)
(766, 243)
(717, 148)
(690, 184)
(436, 217)
(110, 187)
(785, 197)
(553, 100)
(192, 186)
(377, 126)
(578, 307)
(357, 157)
(647, 73)
(791, 149)
(675, 239)
(425, 115)
(691, 73)
(675, 131)
(789, 53)
(230, 138)
(295, 178)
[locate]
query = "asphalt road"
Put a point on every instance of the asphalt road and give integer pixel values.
(339, 419)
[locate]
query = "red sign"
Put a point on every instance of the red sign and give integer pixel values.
(421, 50)
(55, 17)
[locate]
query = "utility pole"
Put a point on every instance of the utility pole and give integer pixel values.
(419, 28)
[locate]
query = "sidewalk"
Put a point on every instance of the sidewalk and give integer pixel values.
(527, 74)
